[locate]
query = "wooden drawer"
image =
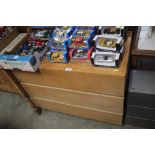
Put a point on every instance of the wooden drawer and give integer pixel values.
(80, 111)
(6, 83)
(82, 81)
(77, 98)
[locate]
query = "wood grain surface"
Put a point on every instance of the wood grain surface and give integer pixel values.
(80, 111)
(79, 98)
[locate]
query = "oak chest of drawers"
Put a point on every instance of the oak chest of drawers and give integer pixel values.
(79, 89)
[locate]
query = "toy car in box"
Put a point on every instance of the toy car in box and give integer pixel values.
(56, 56)
(105, 58)
(24, 52)
(105, 42)
(77, 55)
(87, 28)
(118, 31)
(41, 34)
(60, 36)
(57, 45)
(61, 33)
(82, 38)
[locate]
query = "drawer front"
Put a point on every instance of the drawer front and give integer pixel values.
(140, 122)
(95, 83)
(6, 84)
(141, 100)
(141, 112)
(77, 98)
(79, 111)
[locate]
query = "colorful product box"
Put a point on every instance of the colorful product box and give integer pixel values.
(82, 38)
(59, 44)
(80, 55)
(62, 33)
(116, 31)
(56, 56)
(106, 58)
(106, 42)
(25, 52)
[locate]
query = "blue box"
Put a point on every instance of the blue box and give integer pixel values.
(57, 45)
(82, 38)
(9, 58)
(61, 33)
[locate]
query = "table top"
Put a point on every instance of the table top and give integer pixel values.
(88, 68)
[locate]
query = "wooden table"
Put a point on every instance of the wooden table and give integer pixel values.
(79, 89)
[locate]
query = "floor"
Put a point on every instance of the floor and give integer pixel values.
(15, 113)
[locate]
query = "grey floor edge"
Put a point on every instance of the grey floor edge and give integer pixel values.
(15, 113)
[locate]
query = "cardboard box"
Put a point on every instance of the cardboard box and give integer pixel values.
(58, 56)
(9, 60)
(116, 31)
(106, 58)
(82, 38)
(106, 42)
(80, 55)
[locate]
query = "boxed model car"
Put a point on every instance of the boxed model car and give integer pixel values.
(82, 37)
(58, 44)
(80, 55)
(61, 33)
(106, 42)
(106, 58)
(58, 56)
(117, 31)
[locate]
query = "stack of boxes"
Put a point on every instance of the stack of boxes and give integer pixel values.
(80, 43)
(108, 46)
(75, 43)
(59, 44)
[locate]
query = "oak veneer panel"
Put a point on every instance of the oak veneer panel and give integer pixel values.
(80, 111)
(96, 83)
(79, 98)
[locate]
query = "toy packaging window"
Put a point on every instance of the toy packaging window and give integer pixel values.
(82, 37)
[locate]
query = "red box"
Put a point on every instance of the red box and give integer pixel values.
(80, 55)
